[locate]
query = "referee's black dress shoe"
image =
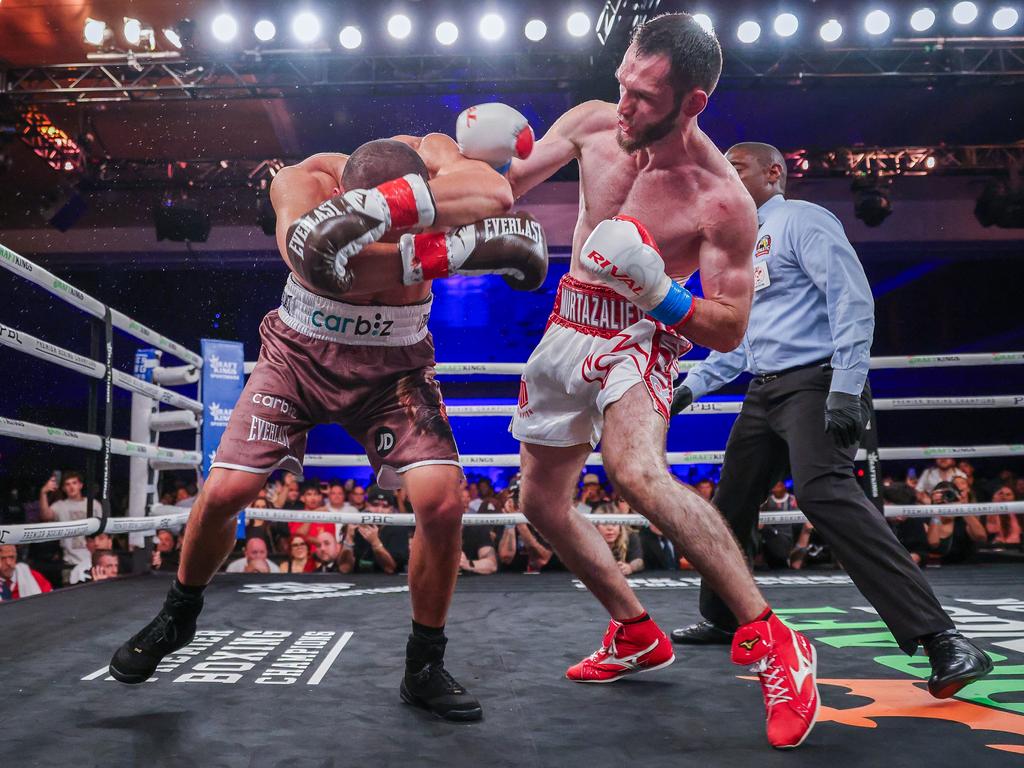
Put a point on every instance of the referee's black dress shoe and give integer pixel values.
(702, 633)
(956, 662)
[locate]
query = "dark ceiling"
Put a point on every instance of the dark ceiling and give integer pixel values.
(816, 114)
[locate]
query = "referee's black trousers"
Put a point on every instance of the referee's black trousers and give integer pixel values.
(782, 426)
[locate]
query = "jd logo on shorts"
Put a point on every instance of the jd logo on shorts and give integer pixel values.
(384, 441)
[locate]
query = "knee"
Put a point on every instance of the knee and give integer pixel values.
(224, 499)
(440, 517)
(637, 482)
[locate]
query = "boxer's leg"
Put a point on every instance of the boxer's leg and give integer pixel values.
(435, 492)
(549, 479)
(210, 533)
(633, 447)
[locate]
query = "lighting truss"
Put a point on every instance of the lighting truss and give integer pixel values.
(968, 160)
(264, 75)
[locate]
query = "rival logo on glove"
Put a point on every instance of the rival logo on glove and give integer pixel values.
(625, 279)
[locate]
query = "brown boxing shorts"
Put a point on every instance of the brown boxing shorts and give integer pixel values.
(368, 368)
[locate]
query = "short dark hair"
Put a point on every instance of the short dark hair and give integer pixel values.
(336, 483)
(72, 474)
(310, 485)
(381, 160)
(694, 54)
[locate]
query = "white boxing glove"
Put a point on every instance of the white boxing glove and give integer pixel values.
(622, 255)
(494, 133)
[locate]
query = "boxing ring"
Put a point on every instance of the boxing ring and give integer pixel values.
(304, 670)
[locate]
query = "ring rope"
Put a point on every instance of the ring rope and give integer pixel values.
(702, 408)
(83, 301)
(686, 457)
(171, 517)
(30, 345)
(59, 436)
(876, 363)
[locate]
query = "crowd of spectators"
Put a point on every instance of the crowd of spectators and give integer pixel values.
(272, 547)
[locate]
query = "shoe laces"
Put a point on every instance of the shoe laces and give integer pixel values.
(451, 685)
(607, 650)
(159, 630)
(774, 682)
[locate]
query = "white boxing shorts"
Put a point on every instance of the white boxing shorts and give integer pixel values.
(597, 345)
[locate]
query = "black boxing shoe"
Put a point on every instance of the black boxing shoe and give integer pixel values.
(428, 685)
(172, 629)
(956, 663)
(702, 633)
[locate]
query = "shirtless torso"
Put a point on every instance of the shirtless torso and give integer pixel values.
(464, 190)
(686, 194)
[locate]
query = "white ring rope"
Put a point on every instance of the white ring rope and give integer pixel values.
(30, 345)
(58, 436)
(83, 301)
(172, 517)
(876, 363)
(686, 457)
(702, 408)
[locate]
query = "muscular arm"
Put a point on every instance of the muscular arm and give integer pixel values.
(464, 190)
(560, 145)
(727, 279)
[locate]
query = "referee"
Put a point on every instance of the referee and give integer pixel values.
(808, 344)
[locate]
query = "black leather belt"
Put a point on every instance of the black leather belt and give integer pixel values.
(764, 378)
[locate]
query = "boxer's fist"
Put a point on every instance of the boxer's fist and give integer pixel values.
(321, 241)
(511, 246)
(621, 254)
(494, 133)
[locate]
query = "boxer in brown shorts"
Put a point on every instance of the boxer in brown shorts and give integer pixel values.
(349, 345)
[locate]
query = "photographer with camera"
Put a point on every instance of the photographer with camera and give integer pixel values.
(953, 539)
(521, 549)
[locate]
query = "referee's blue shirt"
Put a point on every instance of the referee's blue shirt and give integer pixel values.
(812, 301)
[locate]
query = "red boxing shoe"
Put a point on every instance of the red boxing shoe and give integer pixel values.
(626, 650)
(787, 664)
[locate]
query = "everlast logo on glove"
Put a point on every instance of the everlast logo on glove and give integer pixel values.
(510, 225)
(305, 225)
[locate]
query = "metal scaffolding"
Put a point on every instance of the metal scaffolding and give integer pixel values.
(280, 74)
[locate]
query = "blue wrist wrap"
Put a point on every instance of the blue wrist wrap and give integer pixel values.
(674, 307)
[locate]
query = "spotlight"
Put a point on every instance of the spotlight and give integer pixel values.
(748, 32)
(876, 22)
(132, 31)
(922, 19)
(871, 202)
(446, 33)
(181, 220)
(264, 30)
(350, 38)
(1004, 18)
(306, 27)
(95, 31)
(965, 13)
(785, 25)
(929, 162)
(182, 34)
(535, 30)
(831, 31)
(804, 164)
(399, 26)
(492, 27)
(704, 21)
(578, 24)
(1000, 205)
(224, 28)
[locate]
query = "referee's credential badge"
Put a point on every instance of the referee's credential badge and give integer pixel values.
(763, 246)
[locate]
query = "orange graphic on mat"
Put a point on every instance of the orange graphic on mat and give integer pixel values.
(908, 698)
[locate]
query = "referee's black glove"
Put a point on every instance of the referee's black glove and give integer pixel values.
(682, 398)
(844, 418)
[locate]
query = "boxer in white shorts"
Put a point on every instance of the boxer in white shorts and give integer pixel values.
(597, 346)
(648, 176)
